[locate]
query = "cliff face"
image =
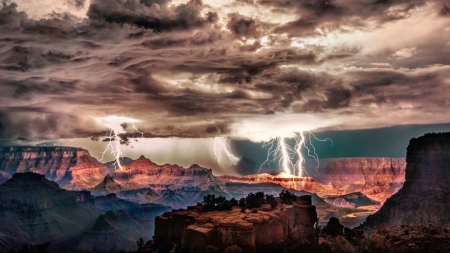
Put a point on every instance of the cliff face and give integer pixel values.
(71, 168)
(286, 181)
(378, 178)
(264, 231)
(425, 196)
(143, 173)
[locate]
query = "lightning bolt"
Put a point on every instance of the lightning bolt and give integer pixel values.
(300, 142)
(279, 150)
(114, 123)
(221, 142)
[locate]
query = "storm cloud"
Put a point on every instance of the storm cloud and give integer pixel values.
(198, 68)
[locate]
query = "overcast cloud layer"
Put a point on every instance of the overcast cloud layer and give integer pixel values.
(220, 68)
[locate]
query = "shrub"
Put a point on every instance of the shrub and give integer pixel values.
(242, 203)
(140, 243)
(270, 199)
(211, 203)
(287, 197)
(254, 200)
(233, 202)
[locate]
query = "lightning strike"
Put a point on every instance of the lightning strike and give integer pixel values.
(220, 142)
(281, 151)
(115, 124)
(300, 142)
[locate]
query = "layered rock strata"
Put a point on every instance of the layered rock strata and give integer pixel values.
(71, 168)
(377, 177)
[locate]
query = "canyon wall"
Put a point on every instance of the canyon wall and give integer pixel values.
(72, 168)
(377, 177)
(425, 196)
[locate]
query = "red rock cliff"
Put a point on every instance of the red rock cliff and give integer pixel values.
(377, 177)
(72, 168)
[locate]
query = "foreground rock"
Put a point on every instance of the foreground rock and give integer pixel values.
(264, 229)
(412, 238)
(425, 196)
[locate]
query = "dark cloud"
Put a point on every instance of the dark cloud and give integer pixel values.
(333, 15)
(242, 26)
(156, 15)
(335, 99)
(189, 70)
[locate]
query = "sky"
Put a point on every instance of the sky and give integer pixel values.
(244, 70)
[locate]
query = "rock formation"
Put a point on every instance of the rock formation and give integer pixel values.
(71, 168)
(263, 229)
(288, 182)
(425, 196)
(144, 181)
(378, 177)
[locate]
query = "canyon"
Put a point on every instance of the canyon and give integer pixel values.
(143, 181)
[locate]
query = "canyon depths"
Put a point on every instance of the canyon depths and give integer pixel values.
(347, 188)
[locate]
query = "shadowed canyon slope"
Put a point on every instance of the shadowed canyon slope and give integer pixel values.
(425, 196)
(34, 210)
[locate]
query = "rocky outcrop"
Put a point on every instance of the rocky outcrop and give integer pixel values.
(263, 230)
(144, 181)
(143, 173)
(425, 196)
(71, 168)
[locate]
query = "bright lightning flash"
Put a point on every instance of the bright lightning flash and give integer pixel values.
(115, 124)
(282, 152)
(221, 144)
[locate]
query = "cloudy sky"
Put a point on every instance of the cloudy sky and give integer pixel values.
(244, 69)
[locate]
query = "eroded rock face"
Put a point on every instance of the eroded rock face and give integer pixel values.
(71, 168)
(425, 196)
(377, 178)
(263, 231)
